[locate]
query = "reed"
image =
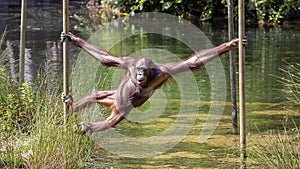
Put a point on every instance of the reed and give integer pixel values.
(282, 149)
(291, 81)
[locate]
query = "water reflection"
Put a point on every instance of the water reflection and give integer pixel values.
(268, 49)
(266, 53)
(44, 24)
(28, 67)
(11, 61)
(54, 63)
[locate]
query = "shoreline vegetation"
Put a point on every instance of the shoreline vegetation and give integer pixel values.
(32, 130)
(261, 12)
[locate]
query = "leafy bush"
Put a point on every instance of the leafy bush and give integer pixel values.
(274, 10)
(174, 7)
(17, 109)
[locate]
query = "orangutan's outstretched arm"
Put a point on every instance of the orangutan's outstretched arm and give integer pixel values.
(195, 61)
(198, 59)
(102, 56)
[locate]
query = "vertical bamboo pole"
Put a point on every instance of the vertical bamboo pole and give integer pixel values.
(242, 84)
(232, 69)
(66, 56)
(22, 41)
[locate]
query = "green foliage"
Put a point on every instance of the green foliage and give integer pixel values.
(264, 11)
(50, 144)
(275, 10)
(280, 151)
(16, 103)
(57, 145)
(46, 142)
(175, 7)
(32, 130)
(272, 11)
(207, 13)
(17, 109)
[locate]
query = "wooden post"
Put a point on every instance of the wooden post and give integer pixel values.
(232, 69)
(242, 105)
(22, 41)
(66, 56)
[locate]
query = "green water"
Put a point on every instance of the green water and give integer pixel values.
(267, 52)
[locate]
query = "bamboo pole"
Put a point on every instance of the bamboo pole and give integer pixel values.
(232, 69)
(66, 56)
(242, 105)
(22, 41)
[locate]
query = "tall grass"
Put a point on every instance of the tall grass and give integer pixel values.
(282, 149)
(32, 130)
(292, 83)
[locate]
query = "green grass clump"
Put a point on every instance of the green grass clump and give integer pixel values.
(57, 146)
(32, 131)
(282, 150)
(291, 82)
